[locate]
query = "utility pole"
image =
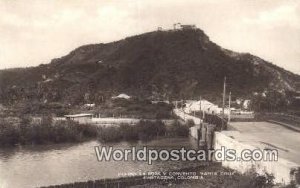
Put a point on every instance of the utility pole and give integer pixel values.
(182, 109)
(224, 96)
(200, 107)
(201, 123)
(203, 114)
(181, 104)
(229, 110)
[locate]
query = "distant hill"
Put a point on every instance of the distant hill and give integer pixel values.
(162, 64)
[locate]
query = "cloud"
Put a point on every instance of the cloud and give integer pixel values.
(286, 14)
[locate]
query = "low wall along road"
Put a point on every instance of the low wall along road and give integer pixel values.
(262, 135)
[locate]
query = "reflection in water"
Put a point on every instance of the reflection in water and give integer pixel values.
(33, 166)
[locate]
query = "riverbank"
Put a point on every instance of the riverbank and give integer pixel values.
(199, 176)
(143, 130)
(28, 132)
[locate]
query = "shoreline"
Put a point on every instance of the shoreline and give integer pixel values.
(137, 180)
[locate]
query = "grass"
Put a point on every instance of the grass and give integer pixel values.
(249, 179)
(46, 131)
(211, 176)
(144, 130)
(135, 108)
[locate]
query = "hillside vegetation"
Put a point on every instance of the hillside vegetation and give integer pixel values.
(157, 65)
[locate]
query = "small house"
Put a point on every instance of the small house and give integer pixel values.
(204, 105)
(122, 96)
(91, 105)
(246, 104)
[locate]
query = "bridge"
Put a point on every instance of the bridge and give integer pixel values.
(261, 135)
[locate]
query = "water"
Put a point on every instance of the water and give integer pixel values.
(34, 166)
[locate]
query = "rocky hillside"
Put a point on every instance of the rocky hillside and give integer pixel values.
(161, 64)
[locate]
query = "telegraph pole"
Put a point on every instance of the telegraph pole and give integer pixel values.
(229, 107)
(224, 96)
(200, 107)
(182, 109)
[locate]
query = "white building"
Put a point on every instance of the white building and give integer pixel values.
(90, 105)
(80, 118)
(121, 96)
(246, 104)
(206, 106)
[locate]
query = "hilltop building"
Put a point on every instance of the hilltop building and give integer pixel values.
(183, 27)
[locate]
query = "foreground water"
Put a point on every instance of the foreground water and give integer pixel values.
(34, 166)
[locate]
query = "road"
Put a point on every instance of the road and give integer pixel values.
(269, 135)
(186, 117)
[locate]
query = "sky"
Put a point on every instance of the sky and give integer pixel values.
(33, 32)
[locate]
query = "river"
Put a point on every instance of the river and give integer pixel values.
(34, 166)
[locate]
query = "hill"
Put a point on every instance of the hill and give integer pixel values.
(171, 64)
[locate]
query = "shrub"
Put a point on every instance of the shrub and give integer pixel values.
(129, 132)
(45, 131)
(144, 130)
(148, 130)
(190, 123)
(109, 134)
(178, 129)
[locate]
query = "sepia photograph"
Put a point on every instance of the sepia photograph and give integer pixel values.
(146, 93)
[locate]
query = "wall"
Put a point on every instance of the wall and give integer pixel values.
(186, 117)
(204, 134)
(194, 131)
(281, 169)
(81, 120)
(131, 121)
